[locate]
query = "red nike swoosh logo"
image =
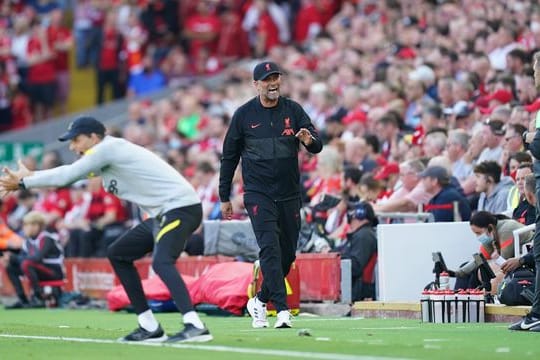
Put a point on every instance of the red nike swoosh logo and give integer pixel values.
(254, 126)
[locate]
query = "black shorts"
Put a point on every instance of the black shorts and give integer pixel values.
(44, 94)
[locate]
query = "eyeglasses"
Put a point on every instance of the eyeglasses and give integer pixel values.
(508, 138)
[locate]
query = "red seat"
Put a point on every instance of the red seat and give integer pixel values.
(52, 283)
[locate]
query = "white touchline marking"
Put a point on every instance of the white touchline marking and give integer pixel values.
(387, 328)
(300, 318)
(218, 348)
(435, 340)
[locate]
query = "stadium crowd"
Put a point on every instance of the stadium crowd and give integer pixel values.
(421, 104)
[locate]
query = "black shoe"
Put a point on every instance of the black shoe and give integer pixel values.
(141, 334)
(527, 323)
(191, 334)
(36, 303)
(17, 305)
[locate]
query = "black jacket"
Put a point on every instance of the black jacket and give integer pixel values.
(265, 140)
(361, 245)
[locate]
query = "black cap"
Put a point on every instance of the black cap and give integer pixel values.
(265, 69)
(83, 125)
(437, 172)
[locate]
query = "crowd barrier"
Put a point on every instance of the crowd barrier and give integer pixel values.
(317, 275)
(405, 255)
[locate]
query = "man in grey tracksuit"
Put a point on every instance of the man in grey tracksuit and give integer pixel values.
(135, 174)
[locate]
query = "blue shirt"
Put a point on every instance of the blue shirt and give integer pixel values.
(442, 205)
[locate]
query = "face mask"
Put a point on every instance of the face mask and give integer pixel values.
(484, 239)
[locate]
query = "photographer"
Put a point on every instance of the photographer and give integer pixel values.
(361, 249)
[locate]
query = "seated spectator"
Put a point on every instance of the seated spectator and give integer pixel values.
(456, 150)
(370, 188)
(528, 258)
(388, 175)
(493, 133)
(516, 160)
(519, 206)
(492, 188)
(410, 194)
(361, 249)
(513, 143)
(41, 259)
(436, 180)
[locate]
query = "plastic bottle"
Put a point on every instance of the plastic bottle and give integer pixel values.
(444, 281)
(438, 306)
(450, 305)
(425, 306)
(477, 306)
(462, 306)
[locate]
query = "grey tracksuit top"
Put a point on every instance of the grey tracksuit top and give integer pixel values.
(129, 171)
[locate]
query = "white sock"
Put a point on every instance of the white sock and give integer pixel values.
(147, 321)
(259, 301)
(192, 317)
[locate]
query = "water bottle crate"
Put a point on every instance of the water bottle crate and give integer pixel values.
(448, 306)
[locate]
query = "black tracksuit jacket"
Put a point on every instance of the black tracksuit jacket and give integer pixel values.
(265, 139)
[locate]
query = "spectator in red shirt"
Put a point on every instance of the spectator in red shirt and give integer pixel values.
(109, 64)
(232, 41)
(61, 41)
(309, 21)
(267, 32)
(41, 73)
(202, 29)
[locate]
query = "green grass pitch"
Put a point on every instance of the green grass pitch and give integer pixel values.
(91, 334)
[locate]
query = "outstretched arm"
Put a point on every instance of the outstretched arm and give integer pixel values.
(11, 180)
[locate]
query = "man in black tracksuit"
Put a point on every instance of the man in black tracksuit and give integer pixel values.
(531, 322)
(266, 133)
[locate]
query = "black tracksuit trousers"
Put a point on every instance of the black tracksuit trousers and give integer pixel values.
(276, 225)
(166, 236)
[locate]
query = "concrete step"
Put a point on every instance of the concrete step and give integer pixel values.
(411, 310)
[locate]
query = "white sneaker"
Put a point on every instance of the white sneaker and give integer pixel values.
(257, 310)
(283, 320)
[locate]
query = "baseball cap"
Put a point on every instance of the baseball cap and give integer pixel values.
(387, 170)
(436, 172)
(83, 125)
(265, 69)
(354, 116)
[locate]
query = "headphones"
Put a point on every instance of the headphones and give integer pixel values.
(359, 212)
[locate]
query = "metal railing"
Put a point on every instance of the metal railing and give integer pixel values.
(392, 216)
(516, 233)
